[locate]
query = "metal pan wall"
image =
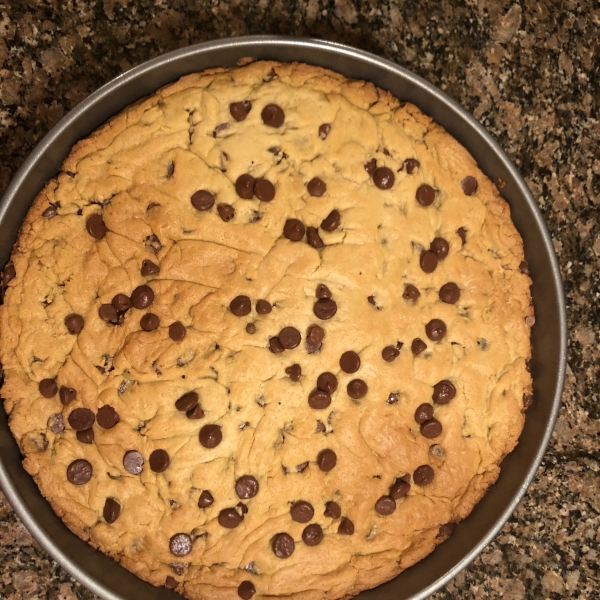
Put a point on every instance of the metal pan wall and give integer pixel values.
(111, 581)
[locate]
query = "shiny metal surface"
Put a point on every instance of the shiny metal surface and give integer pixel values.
(104, 576)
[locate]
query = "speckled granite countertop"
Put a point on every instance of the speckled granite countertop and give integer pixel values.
(529, 72)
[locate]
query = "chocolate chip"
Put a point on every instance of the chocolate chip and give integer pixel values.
(346, 526)
(449, 293)
(112, 510)
(210, 436)
(251, 328)
(462, 234)
(264, 190)
(411, 292)
(324, 130)
(177, 331)
(439, 246)
(323, 291)
(246, 487)
(171, 583)
(133, 462)
(283, 545)
(48, 387)
(159, 461)
(350, 362)
(230, 518)
(318, 399)
(423, 475)
(524, 267)
(272, 115)
(85, 437)
(290, 338)
(445, 530)
(314, 338)
(107, 417)
(390, 353)
(121, 302)
(142, 297)
(149, 322)
(312, 534)
(195, 413)
(314, 239)
(357, 389)
(443, 392)
(294, 372)
(81, 419)
(205, 499)
(95, 226)
(170, 170)
(240, 306)
(331, 221)
(148, 268)
(244, 186)
(469, 185)
(370, 166)
(56, 424)
(371, 300)
(187, 402)
(263, 307)
(220, 127)
(423, 413)
(316, 187)
(527, 400)
(418, 346)
(425, 195)
(74, 323)
(302, 467)
(383, 178)
(226, 212)
(325, 308)
(275, 346)
(293, 230)
(321, 426)
(428, 261)
(393, 398)
(435, 329)
(326, 459)
(327, 382)
(411, 164)
(67, 394)
(302, 511)
(386, 505)
(399, 489)
(107, 312)
(152, 243)
(246, 590)
(333, 510)
(203, 200)
(239, 110)
(180, 544)
(431, 429)
(50, 211)
(79, 472)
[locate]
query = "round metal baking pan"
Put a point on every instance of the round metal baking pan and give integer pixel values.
(108, 579)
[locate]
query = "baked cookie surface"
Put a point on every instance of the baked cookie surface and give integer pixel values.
(266, 334)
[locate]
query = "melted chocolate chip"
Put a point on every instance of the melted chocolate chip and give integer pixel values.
(67, 394)
(246, 487)
(264, 190)
(326, 459)
(370, 166)
(440, 247)
(316, 187)
(48, 387)
(350, 362)
(331, 221)
(443, 392)
(302, 467)
(318, 399)
(244, 186)
(86, 437)
(449, 293)
(177, 331)
(312, 534)
(436, 330)
(399, 489)
(153, 244)
(159, 461)
(246, 590)
(333, 510)
(462, 234)
(324, 130)
(230, 518)
(111, 511)
(81, 419)
(95, 226)
(275, 346)
(205, 500)
(411, 292)
(170, 170)
(469, 185)
(272, 115)
(293, 230)
(107, 312)
(290, 338)
(210, 436)
(383, 178)
(121, 302)
(418, 346)
(325, 308)
(263, 307)
(56, 424)
(148, 268)
(79, 472)
(431, 429)
(323, 291)
(226, 212)
(302, 511)
(428, 261)
(423, 475)
(357, 389)
(142, 297)
(314, 239)
(524, 267)
(187, 402)
(283, 545)
(180, 544)
(149, 322)
(527, 401)
(411, 164)
(423, 413)
(346, 526)
(390, 353)
(107, 417)
(314, 338)
(425, 195)
(240, 306)
(74, 323)
(386, 505)
(239, 110)
(294, 372)
(327, 382)
(133, 462)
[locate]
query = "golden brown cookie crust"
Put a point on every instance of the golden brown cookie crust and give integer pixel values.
(123, 172)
